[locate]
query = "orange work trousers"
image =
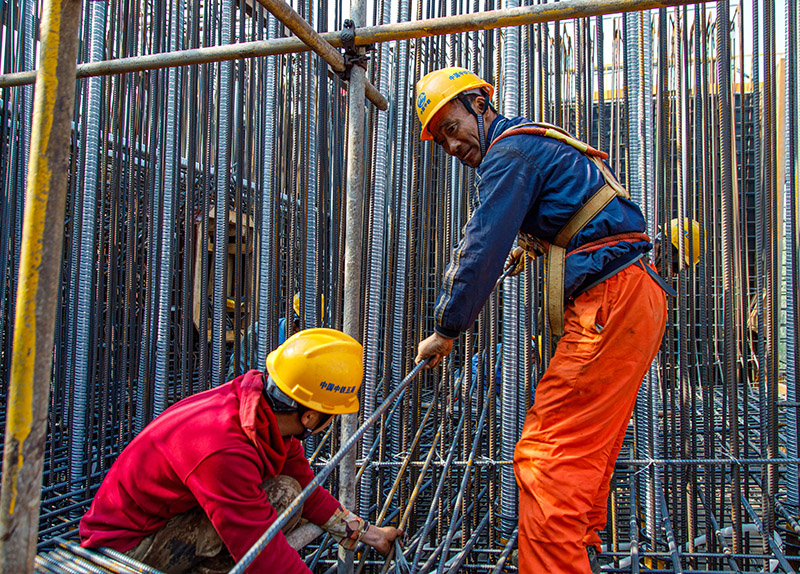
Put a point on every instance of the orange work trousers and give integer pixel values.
(574, 431)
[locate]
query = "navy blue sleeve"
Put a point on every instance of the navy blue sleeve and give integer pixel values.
(508, 185)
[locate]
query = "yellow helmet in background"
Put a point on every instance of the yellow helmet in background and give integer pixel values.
(691, 231)
(437, 88)
(321, 369)
(296, 305)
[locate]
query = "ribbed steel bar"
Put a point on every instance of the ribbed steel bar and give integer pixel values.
(171, 171)
(729, 354)
(84, 248)
(792, 206)
(511, 333)
(459, 503)
(377, 262)
(269, 197)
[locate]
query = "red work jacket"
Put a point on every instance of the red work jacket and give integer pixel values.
(213, 449)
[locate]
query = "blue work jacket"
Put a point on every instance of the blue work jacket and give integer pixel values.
(532, 184)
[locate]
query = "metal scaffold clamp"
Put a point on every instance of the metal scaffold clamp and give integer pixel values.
(351, 55)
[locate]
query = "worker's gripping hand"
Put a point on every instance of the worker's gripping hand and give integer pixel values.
(434, 348)
(515, 262)
(381, 539)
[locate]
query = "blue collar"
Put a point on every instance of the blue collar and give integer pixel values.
(498, 126)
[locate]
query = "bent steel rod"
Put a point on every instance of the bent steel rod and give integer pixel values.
(717, 533)
(412, 499)
(506, 552)
(38, 287)
(767, 536)
(460, 497)
(445, 471)
(487, 20)
(462, 555)
(275, 527)
(401, 474)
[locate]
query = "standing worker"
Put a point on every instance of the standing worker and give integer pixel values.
(604, 301)
(203, 481)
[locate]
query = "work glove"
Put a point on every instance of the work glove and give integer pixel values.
(348, 529)
(515, 262)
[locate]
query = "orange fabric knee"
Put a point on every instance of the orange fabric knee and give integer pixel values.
(550, 558)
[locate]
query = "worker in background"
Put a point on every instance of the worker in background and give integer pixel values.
(483, 357)
(203, 481)
(298, 324)
(691, 246)
(252, 333)
(604, 301)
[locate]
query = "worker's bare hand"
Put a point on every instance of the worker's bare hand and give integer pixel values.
(434, 348)
(381, 539)
(516, 261)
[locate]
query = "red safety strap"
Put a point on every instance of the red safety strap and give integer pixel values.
(540, 131)
(609, 241)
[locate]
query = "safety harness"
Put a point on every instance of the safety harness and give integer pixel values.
(556, 250)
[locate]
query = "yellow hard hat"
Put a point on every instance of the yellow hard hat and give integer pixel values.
(296, 305)
(437, 88)
(691, 230)
(321, 369)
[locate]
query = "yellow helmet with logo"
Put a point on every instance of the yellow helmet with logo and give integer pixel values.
(691, 231)
(296, 305)
(437, 88)
(320, 369)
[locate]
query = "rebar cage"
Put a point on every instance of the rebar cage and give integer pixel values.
(202, 198)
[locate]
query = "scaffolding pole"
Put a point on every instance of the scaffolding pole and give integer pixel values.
(352, 262)
(37, 291)
(364, 36)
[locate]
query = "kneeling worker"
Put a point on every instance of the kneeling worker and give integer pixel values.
(204, 478)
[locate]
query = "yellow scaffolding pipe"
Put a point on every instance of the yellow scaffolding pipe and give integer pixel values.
(37, 290)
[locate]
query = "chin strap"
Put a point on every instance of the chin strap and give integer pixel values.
(465, 100)
(482, 132)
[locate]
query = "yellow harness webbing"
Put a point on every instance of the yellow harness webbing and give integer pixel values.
(557, 249)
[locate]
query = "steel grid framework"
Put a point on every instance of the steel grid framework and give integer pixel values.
(699, 123)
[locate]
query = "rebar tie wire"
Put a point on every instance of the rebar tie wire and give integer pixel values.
(275, 527)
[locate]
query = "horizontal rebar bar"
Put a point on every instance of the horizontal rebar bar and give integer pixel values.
(620, 463)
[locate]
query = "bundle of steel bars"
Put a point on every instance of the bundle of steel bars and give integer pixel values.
(203, 194)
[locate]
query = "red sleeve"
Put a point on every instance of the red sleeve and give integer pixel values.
(227, 486)
(321, 505)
